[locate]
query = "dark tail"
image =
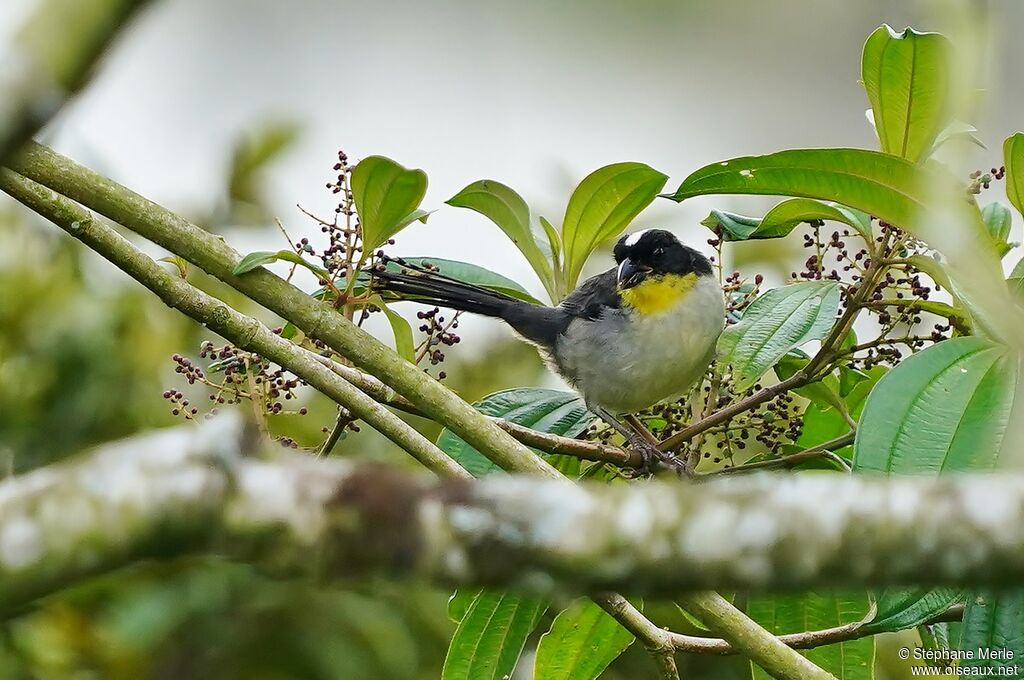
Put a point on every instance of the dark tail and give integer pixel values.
(537, 323)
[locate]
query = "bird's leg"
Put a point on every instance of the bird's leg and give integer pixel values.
(641, 429)
(637, 437)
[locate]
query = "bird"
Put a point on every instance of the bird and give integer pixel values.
(638, 334)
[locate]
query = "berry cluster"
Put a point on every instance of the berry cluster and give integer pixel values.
(439, 332)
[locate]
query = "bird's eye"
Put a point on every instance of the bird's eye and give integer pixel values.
(658, 252)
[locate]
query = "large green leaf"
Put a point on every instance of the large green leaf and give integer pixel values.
(552, 411)
(783, 218)
(796, 613)
(470, 273)
(906, 76)
(508, 210)
(1013, 159)
(902, 608)
(778, 321)
(947, 407)
(994, 622)
(582, 641)
(387, 196)
(601, 208)
(879, 184)
(917, 198)
(490, 637)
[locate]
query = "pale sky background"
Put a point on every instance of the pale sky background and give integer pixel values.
(534, 94)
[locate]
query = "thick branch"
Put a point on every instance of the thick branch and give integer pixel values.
(50, 59)
(333, 519)
(784, 664)
(243, 331)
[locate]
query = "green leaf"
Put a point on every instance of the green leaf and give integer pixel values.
(253, 260)
(778, 321)
(460, 602)
(544, 410)
(178, 262)
(1018, 271)
(957, 130)
(997, 219)
(994, 622)
(507, 209)
(906, 76)
(888, 187)
(783, 218)
(902, 608)
(471, 273)
(582, 641)
(554, 241)
(1013, 159)
(400, 328)
(947, 407)
(386, 196)
(489, 639)
(262, 257)
(733, 227)
(796, 613)
(601, 208)
(798, 210)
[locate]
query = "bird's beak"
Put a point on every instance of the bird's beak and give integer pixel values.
(630, 274)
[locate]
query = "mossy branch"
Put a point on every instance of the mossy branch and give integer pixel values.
(206, 490)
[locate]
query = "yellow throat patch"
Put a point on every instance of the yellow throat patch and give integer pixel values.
(658, 293)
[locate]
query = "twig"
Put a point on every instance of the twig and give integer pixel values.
(340, 423)
(957, 318)
(792, 459)
(657, 641)
(803, 640)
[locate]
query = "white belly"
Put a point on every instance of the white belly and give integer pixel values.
(627, 367)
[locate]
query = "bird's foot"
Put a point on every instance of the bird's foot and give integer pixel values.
(653, 459)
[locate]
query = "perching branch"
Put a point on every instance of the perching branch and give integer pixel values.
(322, 321)
(50, 59)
